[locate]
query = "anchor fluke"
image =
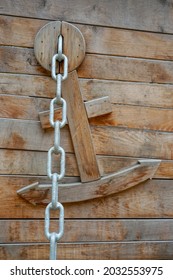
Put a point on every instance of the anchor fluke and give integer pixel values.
(39, 194)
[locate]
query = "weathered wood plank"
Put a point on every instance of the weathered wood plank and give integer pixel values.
(152, 199)
(108, 185)
(126, 69)
(129, 93)
(18, 134)
(22, 60)
(136, 143)
(98, 107)
(122, 116)
(27, 85)
(141, 94)
(17, 107)
(94, 108)
(80, 130)
(110, 164)
(34, 163)
(165, 170)
(90, 251)
(19, 60)
(130, 43)
(143, 15)
(22, 32)
(14, 231)
(137, 117)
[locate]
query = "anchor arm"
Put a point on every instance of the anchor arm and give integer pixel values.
(114, 183)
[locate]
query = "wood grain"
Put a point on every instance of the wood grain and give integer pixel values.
(27, 85)
(80, 130)
(22, 60)
(23, 162)
(126, 69)
(46, 42)
(18, 134)
(107, 140)
(147, 200)
(137, 117)
(91, 251)
(22, 32)
(98, 107)
(33, 163)
(128, 142)
(17, 107)
(131, 64)
(94, 108)
(108, 185)
(141, 15)
(74, 45)
(127, 93)
(29, 108)
(14, 231)
(19, 60)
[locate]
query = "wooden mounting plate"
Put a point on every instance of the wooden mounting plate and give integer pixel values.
(46, 42)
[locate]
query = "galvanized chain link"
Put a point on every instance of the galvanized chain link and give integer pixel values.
(53, 237)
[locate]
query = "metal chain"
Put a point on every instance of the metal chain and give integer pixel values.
(54, 237)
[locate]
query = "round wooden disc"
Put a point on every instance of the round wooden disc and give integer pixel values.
(46, 42)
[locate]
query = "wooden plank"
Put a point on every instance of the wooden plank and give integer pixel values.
(110, 164)
(143, 15)
(94, 108)
(80, 130)
(165, 170)
(128, 142)
(98, 107)
(152, 199)
(137, 117)
(15, 231)
(124, 42)
(27, 85)
(34, 163)
(18, 134)
(19, 60)
(22, 32)
(22, 60)
(122, 115)
(129, 93)
(141, 94)
(107, 140)
(87, 251)
(17, 107)
(126, 69)
(108, 185)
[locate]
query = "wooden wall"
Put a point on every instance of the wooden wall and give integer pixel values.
(129, 57)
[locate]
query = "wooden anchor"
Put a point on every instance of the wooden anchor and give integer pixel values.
(91, 185)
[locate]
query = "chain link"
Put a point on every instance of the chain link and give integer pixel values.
(53, 237)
